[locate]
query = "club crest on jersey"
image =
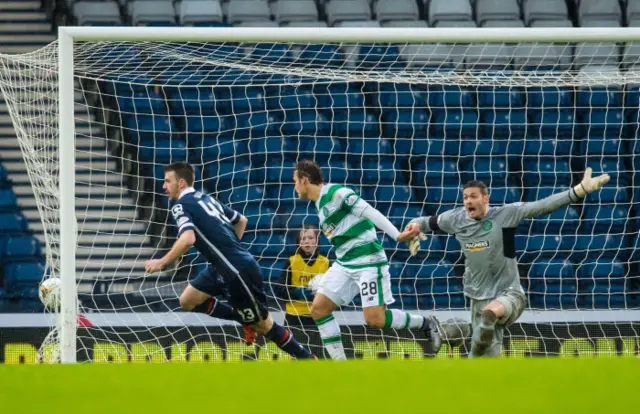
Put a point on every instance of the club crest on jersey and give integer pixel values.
(328, 229)
(476, 246)
(325, 211)
(487, 225)
(351, 200)
(177, 211)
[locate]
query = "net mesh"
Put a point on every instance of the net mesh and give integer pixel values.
(402, 125)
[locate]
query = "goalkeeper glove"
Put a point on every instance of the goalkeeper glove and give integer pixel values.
(414, 244)
(590, 184)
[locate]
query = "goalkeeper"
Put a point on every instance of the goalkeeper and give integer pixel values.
(487, 237)
(361, 267)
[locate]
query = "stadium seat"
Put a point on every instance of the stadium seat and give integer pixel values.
(4, 177)
(493, 171)
(535, 146)
(565, 221)
(294, 11)
(544, 10)
(20, 248)
(22, 275)
(8, 200)
(148, 127)
(500, 97)
(12, 223)
(456, 24)
(427, 56)
(271, 53)
(141, 103)
(552, 123)
(405, 10)
(381, 172)
(606, 123)
(604, 55)
(451, 246)
(91, 13)
(504, 195)
(151, 13)
(446, 10)
(606, 219)
(451, 98)
(248, 11)
(435, 270)
(270, 246)
(503, 23)
(507, 123)
(594, 246)
(546, 171)
(455, 123)
(599, 9)
(537, 57)
(436, 171)
(337, 11)
(405, 123)
(594, 145)
(614, 166)
(292, 97)
(552, 271)
(533, 246)
(355, 123)
(325, 55)
(162, 151)
(488, 56)
(378, 56)
(496, 9)
(305, 122)
(392, 96)
(538, 193)
(199, 12)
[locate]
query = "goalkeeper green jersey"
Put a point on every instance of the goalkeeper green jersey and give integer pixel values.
(353, 236)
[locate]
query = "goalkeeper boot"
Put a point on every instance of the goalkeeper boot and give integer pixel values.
(482, 337)
(250, 334)
(431, 328)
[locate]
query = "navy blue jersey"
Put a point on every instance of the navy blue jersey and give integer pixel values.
(212, 223)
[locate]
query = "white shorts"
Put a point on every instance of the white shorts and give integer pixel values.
(341, 285)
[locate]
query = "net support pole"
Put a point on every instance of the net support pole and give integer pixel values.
(68, 225)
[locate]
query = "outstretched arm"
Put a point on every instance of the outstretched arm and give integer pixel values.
(180, 247)
(557, 201)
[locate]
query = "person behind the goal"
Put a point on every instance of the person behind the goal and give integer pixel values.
(487, 237)
(215, 231)
(349, 223)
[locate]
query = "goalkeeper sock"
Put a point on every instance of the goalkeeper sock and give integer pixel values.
(217, 309)
(285, 341)
(331, 337)
(482, 337)
(395, 318)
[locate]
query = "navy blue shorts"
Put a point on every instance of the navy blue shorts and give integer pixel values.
(209, 282)
(246, 294)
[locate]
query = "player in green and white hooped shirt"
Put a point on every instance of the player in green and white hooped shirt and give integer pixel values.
(361, 267)
(487, 237)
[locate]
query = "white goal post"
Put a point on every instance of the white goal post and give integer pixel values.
(69, 37)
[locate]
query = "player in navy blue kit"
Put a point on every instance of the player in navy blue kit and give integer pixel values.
(215, 230)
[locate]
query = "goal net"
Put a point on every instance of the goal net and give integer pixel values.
(402, 124)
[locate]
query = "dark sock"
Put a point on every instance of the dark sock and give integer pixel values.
(285, 341)
(217, 309)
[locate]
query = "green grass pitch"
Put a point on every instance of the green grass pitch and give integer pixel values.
(539, 385)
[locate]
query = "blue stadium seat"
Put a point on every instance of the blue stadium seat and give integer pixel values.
(551, 271)
(595, 145)
(400, 215)
(603, 276)
(387, 194)
(20, 248)
(383, 171)
(451, 246)
(12, 223)
(614, 166)
(530, 247)
(552, 123)
(270, 246)
(455, 123)
(323, 148)
(446, 194)
(493, 171)
(378, 56)
(607, 122)
(487, 147)
(149, 127)
(141, 103)
(547, 147)
(293, 97)
(162, 151)
(499, 97)
(534, 194)
(564, 221)
(609, 195)
(22, 275)
(435, 270)
(504, 123)
(4, 177)
(256, 125)
(405, 123)
(599, 97)
(392, 96)
(298, 217)
(606, 219)
(355, 122)
(337, 172)
(436, 171)
(217, 149)
(250, 193)
(278, 170)
(305, 122)
(247, 99)
(504, 195)
(324, 55)
(594, 246)
(271, 53)
(546, 171)
(402, 270)
(450, 97)
(339, 96)
(8, 200)
(549, 97)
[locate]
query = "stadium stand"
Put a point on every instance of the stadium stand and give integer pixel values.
(449, 116)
